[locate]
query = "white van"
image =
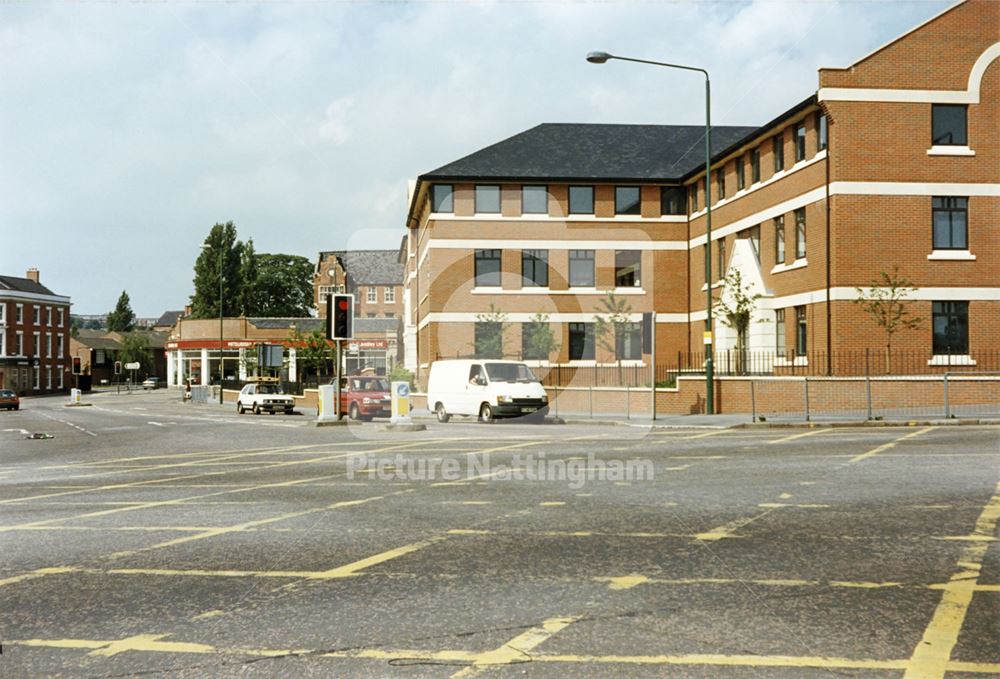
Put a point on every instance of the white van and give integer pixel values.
(486, 388)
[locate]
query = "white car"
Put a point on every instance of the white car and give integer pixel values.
(269, 396)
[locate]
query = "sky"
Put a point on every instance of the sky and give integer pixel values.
(127, 129)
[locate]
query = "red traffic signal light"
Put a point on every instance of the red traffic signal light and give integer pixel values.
(340, 317)
(76, 365)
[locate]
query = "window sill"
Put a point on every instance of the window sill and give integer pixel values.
(785, 363)
(955, 359)
(797, 264)
(950, 151)
(954, 255)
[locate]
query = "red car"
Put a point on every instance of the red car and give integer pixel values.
(363, 397)
(9, 400)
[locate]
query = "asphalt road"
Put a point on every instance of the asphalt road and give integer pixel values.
(154, 538)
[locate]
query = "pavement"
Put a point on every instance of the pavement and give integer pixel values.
(150, 537)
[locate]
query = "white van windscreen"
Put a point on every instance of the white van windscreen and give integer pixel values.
(509, 372)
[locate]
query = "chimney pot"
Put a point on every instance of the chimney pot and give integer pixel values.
(33, 274)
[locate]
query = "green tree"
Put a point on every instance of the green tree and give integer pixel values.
(313, 352)
(249, 294)
(885, 301)
(122, 319)
(284, 286)
(490, 330)
(205, 300)
(135, 349)
(611, 323)
(735, 307)
(541, 340)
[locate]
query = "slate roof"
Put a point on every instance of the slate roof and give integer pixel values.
(98, 339)
(598, 152)
(361, 325)
(370, 267)
(23, 285)
(168, 318)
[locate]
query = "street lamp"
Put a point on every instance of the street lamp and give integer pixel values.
(603, 57)
(221, 335)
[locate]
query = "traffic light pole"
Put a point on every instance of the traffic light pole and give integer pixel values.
(336, 389)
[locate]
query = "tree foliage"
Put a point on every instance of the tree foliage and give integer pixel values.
(885, 301)
(491, 329)
(735, 307)
(268, 285)
(135, 349)
(611, 322)
(542, 342)
(122, 319)
(313, 351)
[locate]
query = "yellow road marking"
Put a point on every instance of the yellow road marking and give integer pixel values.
(40, 573)
(625, 581)
(517, 648)
(795, 437)
(551, 504)
(727, 661)
(967, 538)
(151, 642)
(207, 614)
(932, 654)
(705, 435)
(887, 446)
(778, 505)
(726, 530)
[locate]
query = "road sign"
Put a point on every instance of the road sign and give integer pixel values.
(132, 366)
(353, 347)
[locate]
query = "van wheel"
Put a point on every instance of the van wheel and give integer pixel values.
(239, 408)
(441, 413)
(486, 413)
(355, 412)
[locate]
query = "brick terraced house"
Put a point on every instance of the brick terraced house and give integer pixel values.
(34, 336)
(374, 277)
(893, 162)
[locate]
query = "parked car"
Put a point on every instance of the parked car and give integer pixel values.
(364, 397)
(264, 395)
(9, 399)
(484, 388)
(151, 383)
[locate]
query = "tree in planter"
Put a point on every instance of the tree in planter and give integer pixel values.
(611, 323)
(122, 319)
(490, 330)
(736, 313)
(541, 340)
(885, 301)
(135, 349)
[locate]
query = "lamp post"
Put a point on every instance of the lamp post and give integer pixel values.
(603, 57)
(222, 373)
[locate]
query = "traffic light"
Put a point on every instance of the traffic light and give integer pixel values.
(118, 367)
(76, 365)
(340, 317)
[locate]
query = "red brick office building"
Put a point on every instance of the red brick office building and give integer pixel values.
(34, 336)
(893, 162)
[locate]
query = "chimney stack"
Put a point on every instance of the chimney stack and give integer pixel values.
(32, 274)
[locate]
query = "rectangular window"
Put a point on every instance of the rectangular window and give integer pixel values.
(535, 268)
(800, 331)
(779, 239)
(581, 200)
(950, 222)
(628, 341)
(48, 315)
(951, 327)
(753, 235)
(36, 314)
(19, 314)
(36, 348)
(949, 125)
(489, 339)
(390, 314)
(535, 200)
(48, 377)
(755, 165)
(62, 317)
(487, 268)
(720, 271)
(48, 345)
(694, 198)
(627, 200)
(389, 297)
(19, 344)
(581, 341)
(778, 150)
(741, 175)
(528, 350)
(61, 346)
(442, 198)
(720, 183)
(581, 268)
(487, 197)
(779, 332)
(800, 233)
(671, 200)
(59, 374)
(99, 357)
(800, 142)
(627, 265)
(822, 132)
(372, 295)
(38, 373)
